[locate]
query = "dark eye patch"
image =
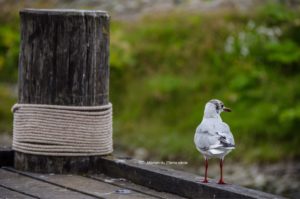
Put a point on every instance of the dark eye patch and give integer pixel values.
(218, 106)
(217, 103)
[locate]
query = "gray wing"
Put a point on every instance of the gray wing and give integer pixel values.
(213, 138)
(226, 135)
(205, 136)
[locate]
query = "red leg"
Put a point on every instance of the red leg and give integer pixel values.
(221, 181)
(206, 166)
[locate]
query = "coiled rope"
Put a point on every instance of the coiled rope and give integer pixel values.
(56, 130)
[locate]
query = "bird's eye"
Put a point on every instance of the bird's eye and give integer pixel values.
(222, 106)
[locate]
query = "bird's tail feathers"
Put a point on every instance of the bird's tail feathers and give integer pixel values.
(216, 151)
(230, 148)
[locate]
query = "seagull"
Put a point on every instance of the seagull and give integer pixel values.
(213, 138)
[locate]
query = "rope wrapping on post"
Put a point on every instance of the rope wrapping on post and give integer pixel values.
(56, 130)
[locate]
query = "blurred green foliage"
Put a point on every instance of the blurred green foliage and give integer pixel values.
(7, 99)
(9, 52)
(164, 68)
(174, 63)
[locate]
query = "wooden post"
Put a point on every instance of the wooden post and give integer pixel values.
(63, 61)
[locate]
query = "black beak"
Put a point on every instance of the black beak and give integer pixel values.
(226, 109)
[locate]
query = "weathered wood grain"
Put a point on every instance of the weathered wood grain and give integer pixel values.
(175, 182)
(56, 164)
(64, 57)
(86, 186)
(36, 188)
(8, 193)
(124, 183)
(163, 179)
(63, 61)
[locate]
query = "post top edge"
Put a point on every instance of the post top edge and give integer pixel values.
(65, 12)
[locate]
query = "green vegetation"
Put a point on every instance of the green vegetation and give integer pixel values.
(164, 68)
(7, 100)
(9, 52)
(9, 49)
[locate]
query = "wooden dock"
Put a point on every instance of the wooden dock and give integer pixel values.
(116, 178)
(16, 184)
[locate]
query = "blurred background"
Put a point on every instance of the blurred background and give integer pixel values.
(169, 57)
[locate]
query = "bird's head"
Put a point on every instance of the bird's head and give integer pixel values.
(214, 108)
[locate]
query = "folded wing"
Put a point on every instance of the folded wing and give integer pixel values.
(216, 140)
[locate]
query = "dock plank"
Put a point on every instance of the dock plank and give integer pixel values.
(36, 188)
(176, 182)
(88, 186)
(9, 194)
(123, 183)
(94, 187)
(162, 179)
